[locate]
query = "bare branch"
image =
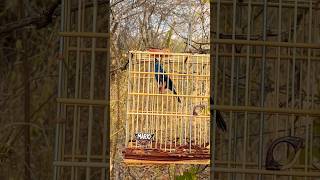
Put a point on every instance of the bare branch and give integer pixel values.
(42, 20)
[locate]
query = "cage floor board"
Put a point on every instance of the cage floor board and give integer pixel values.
(158, 156)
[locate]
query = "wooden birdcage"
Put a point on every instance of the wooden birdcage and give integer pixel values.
(159, 128)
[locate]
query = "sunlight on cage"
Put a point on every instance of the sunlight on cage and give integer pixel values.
(179, 130)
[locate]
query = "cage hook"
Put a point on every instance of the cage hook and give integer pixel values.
(296, 142)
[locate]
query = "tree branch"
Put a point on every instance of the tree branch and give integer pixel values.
(122, 67)
(41, 20)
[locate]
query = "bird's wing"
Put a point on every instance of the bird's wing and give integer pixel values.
(162, 77)
(161, 68)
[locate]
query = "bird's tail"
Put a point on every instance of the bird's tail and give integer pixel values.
(220, 122)
(175, 92)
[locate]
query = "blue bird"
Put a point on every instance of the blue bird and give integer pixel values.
(162, 79)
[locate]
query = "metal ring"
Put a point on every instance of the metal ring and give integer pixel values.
(296, 142)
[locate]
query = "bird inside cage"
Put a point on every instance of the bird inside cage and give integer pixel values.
(163, 80)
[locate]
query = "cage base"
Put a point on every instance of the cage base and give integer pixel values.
(159, 156)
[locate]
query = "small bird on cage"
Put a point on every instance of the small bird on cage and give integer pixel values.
(163, 80)
(221, 124)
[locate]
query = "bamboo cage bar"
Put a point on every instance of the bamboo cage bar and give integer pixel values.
(174, 74)
(83, 34)
(88, 50)
(80, 164)
(245, 131)
(266, 172)
(267, 43)
(77, 101)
